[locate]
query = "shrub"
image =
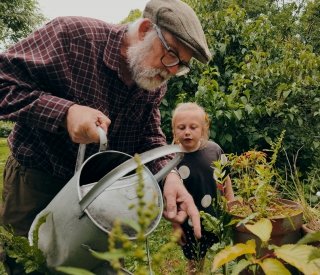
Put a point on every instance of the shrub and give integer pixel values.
(5, 128)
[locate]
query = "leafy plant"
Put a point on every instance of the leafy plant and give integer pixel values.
(303, 257)
(19, 249)
(218, 223)
(254, 180)
(5, 128)
(305, 192)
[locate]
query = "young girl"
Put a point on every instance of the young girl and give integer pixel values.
(190, 126)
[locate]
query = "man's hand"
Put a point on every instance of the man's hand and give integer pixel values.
(180, 204)
(82, 122)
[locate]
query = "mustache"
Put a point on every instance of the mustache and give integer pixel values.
(152, 72)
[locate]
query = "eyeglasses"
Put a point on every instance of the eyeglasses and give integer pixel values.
(170, 58)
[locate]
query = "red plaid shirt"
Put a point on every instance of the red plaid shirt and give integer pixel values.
(73, 60)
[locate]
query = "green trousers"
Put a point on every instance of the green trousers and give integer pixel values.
(26, 192)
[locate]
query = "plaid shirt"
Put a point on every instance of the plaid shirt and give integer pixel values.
(73, 60)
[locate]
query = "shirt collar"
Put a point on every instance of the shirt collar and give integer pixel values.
(112, 55)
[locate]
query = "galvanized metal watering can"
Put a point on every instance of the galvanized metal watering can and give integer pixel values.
(101, 191)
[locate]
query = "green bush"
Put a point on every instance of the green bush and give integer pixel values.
(263, 78)
(5, 128)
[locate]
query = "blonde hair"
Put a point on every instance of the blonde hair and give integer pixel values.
(192, 106)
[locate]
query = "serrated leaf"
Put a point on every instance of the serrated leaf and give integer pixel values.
(298, 256)
(73, 270)
(273, 266)
(232, 252)
(210, 223)
(261, 229)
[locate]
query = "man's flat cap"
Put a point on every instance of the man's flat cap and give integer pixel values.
(180, 20)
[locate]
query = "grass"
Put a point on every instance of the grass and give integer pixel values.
(4, 152)
(174, 263)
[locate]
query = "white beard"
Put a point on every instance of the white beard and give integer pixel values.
(145, 77)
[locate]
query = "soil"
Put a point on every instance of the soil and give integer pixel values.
(314, 225)
(275, 209)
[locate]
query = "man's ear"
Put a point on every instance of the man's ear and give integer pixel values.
(144, 27)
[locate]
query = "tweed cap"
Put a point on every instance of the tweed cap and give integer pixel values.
(180, 20)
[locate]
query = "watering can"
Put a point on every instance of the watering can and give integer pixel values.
(101, 191)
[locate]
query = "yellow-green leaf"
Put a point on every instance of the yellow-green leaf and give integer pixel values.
(298, 256)
(232, 252)
(309, 238)
(273, 266)
(261, 228)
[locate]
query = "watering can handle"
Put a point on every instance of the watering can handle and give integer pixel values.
(128, 166)
(82, 148)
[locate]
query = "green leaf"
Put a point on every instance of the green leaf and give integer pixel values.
(210, 223)
(238, 114)
(228, 137)
(244, 100)
(248, 108)
(286, 93)
(114, 255)
(232, 252)
(240, 266)
(247, 219)
(261, 228)
(273, 266)
(73, 270)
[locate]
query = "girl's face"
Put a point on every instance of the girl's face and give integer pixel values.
(188, 129)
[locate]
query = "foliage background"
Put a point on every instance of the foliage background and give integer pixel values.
(17, 19)
(264, 77)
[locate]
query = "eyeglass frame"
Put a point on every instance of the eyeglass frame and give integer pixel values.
(184, 67)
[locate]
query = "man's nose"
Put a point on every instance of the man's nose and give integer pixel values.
(173, 70)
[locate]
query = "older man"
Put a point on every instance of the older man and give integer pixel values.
(77, 73)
